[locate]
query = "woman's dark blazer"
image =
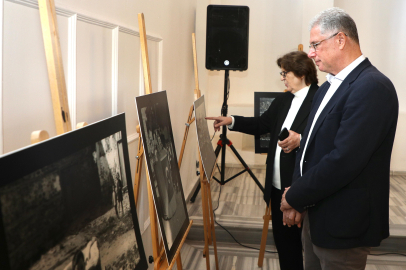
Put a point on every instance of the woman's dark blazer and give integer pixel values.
(271, 121)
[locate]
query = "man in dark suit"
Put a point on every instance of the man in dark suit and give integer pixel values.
(290, 110)
(342, 169)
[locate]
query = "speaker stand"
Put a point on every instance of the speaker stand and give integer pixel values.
(224, 141)
(221, 146)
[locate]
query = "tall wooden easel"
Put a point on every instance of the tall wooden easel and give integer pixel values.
(56, 75)
(208, 217)
(268, 215)
(160, 261)
(198, 94)
(207, 207)
(55, 67)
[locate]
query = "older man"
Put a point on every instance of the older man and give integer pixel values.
(342, 168)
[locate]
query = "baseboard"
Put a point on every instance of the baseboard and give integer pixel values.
(263, 166)
(239, 165)
(397, 172)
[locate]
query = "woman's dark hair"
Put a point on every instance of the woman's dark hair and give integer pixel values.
(300, 64)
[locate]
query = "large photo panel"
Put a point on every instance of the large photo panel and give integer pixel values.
(207, 154)
(162, 164)
(67, 203)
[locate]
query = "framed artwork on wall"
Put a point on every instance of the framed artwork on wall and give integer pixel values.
(67, 203)
(163, 170)
(262, 101)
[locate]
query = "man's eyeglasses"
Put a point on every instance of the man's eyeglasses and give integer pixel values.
(283, 73)
(314, 45)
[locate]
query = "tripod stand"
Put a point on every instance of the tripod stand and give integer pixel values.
(223, 142)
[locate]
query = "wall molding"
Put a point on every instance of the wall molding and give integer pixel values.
(90, 20)
(1, 76)
(34, 4)
(160, 64)
(135, 33)
(71, 81)
(132, 137)
(114, 71)
(73, 18)
(86, 19)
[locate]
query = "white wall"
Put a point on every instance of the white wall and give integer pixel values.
(277, 27)
(310, 9)
(101, 56)
(381, 27)
(27, 104)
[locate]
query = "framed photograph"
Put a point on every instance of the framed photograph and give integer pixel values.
(262, 101)
(67, 203)
(163, 170)
(206, 150)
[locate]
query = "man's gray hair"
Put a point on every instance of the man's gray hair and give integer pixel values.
(335, 20)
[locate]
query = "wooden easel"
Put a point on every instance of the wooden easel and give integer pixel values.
(207, 207)
(56, 75)
(208, 218)
(268, 215)
(267, 218)
(55, 67)
(198, 94)
(157, 245)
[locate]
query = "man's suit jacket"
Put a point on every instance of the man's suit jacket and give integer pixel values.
(271, 121)
(345, 177)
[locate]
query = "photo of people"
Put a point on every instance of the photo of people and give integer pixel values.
(162, 163)
(73, 213)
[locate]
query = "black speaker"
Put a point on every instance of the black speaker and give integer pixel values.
(227, 37)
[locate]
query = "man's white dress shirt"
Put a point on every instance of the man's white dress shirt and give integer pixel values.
(335, 82)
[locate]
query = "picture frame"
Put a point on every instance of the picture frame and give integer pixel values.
(262, 101)
(163, 170)
(207, 155)
(68, 202)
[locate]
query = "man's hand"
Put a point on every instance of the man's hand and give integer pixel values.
(291, 142)
(220, 121)
(292, 217)
(284, 204)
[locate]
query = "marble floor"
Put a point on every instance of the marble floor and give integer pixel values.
(242, 198)
(397, 201)
(241, 204)
(234, 257)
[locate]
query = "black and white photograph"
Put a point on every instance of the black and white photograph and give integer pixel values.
(262, 101)
(207, 154)
(162, 163)
(67, 203)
